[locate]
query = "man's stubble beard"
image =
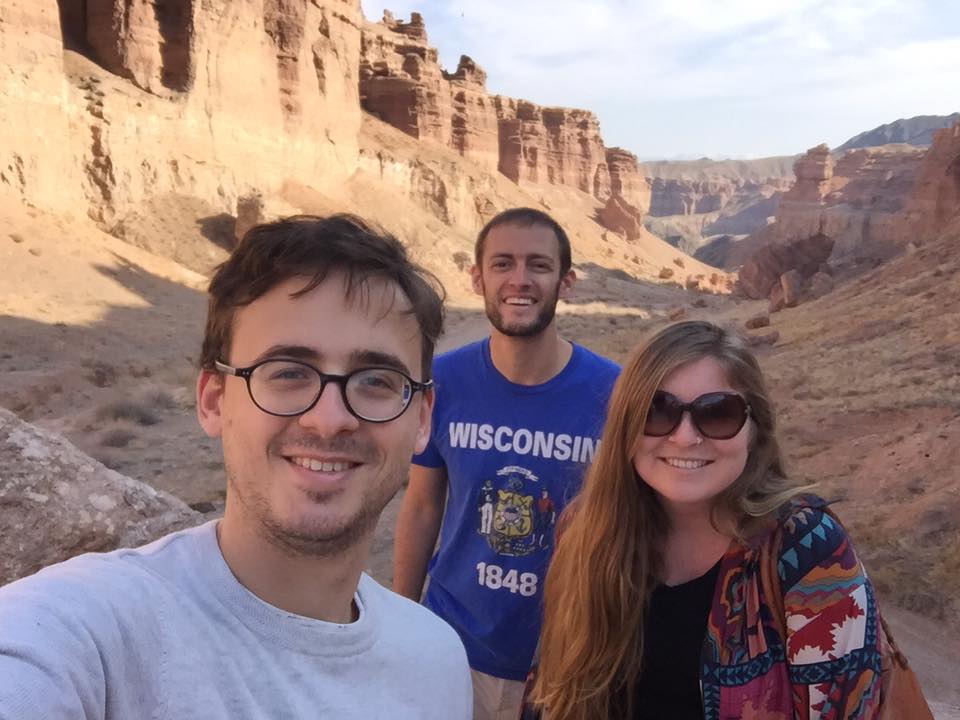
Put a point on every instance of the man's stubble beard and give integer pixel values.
(316, 537)
(540, 323)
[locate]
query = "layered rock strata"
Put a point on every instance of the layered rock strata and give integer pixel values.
(762, 272)
(694, 200)
(935, 198)
(402, 83)
(37, 159)
(855, 199)
(259, 93)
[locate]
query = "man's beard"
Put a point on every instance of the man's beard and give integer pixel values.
(317, 537)
(533, 328)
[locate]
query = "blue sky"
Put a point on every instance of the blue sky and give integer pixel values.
(717, 78)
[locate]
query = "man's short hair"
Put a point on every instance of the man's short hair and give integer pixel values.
(526, 217)
(313, 248)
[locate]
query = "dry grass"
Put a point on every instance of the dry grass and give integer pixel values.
(134, 410)
(118, 437)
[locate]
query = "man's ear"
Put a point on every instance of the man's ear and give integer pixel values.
(566, 284)
(476, 279)
(424, 420)
(209, 402)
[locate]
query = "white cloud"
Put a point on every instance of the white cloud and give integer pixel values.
(739, 77)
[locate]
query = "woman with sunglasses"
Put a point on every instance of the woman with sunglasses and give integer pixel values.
(692, 578)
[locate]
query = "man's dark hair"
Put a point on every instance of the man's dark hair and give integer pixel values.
(526, 217)
(314, 247)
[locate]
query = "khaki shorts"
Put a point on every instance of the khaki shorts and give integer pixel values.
(496, 698)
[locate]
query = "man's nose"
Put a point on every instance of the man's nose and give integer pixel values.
(520, 274)
(330, 416)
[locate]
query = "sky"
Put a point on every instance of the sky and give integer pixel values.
(682, 79)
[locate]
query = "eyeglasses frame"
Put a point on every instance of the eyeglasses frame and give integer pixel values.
(341, 380)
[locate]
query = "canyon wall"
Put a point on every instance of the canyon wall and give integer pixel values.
(694, 200)
(37, 160)
(402, 83)
(257, 93)
(868, 203)
(935, 199)
(155, 118)
(855, 199)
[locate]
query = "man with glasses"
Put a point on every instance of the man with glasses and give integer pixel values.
(316, 377)
(517, 419)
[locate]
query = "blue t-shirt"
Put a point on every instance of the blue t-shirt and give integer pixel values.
(514, 455)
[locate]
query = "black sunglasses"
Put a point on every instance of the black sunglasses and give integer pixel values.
(716, 415)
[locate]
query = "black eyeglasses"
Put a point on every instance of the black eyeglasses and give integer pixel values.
(290, 387)
(716, 415)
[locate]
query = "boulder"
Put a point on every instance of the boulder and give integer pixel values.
(56, 502)
(621, 217)
(768, 338)
(792, 284)
(763, 270)
(777, 302)
(757, 321)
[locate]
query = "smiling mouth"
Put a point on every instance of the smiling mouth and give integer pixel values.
(519, 301)
(686, 463)
(327, 466)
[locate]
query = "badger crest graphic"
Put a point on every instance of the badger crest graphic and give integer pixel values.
(512, 517)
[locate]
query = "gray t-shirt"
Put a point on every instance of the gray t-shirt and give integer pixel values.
(166, 631)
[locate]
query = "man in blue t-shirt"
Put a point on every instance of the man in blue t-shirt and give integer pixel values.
(517, 419)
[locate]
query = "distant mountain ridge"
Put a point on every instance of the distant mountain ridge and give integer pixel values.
(917, 130)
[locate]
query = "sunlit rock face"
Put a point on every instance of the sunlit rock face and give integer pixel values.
(207, 99)
(402, 83)
(935, 199)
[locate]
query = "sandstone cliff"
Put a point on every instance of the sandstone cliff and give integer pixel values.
(935, 198)
(691, 201)
(253, 93)
(159, 119)
(402, 83)
(853, 199)
(37, 158)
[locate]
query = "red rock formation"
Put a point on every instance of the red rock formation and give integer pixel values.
(627, 179)
(762, 272)
(813, 172)
(555, 146)
(853, 200)
(238, 119)
(474, 127)
(147, 41)
(401, 83)
(621, 217)
(689, 197)
(935, 199)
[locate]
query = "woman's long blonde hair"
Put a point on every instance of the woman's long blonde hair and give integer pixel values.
(607, 556)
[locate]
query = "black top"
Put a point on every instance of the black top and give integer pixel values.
(676, 625)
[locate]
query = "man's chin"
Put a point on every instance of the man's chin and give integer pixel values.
(318, 536)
